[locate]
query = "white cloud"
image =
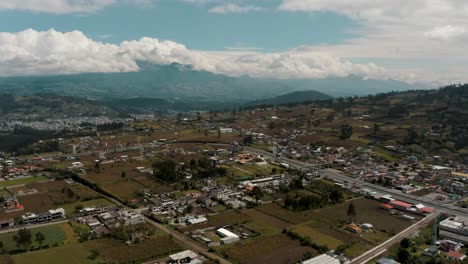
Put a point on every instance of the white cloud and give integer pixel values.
(64, 6)
(234, 8)
(399, 32)
(446, 32)
(33, 52)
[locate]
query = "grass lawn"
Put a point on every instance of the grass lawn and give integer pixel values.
(54, 234)
(70, 254)
(22, 181)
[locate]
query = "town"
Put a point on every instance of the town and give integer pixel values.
(276, 184)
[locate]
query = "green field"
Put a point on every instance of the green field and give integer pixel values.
(317, 236)
(54, 234)
(70, 254)
(22, 181)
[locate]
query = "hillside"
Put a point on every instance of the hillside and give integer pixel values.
(294, 97)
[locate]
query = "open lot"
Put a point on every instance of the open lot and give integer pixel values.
(366, 212)
(25, 180)
(37, 202)
(112, 251)
(72, 254)
(272, 249)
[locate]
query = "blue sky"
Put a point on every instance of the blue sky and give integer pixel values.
(193, 25)
(411, 41)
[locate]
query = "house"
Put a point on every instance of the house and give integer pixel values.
(187, 256)
(387, 261)
(353, 228)
(228, 237)
(7, 223)
(322, 259)
(386, 207)
(32, 218)
(450, 245)
(455, 255)
(400, 205)
(431, 251)
(197, 220)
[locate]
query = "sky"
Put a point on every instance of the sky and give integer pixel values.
(412, 41)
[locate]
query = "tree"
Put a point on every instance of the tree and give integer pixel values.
(40, 238)
(375, 129)
(257, 193)
(403, 256)
(248, 140)
(405, 243)
(351, 211)
(23, 238)
(346, 131)
(78, 208)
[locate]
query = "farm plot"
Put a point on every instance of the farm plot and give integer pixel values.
(37, 202)
(286, 215)
(271, 249)
(317, 236)
(153, 185)
(20, 181)
(70, 254)
(112, 251)
(367, 212)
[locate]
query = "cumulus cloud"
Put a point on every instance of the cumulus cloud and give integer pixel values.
(33, 52)
(64, 6)
(234, 8)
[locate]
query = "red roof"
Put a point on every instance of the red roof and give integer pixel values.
(386, 206)
(426, 210)
(400, 203)
(455, 254)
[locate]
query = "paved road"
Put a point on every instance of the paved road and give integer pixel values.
(382, 248)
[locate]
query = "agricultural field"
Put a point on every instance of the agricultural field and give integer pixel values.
(367, 212)
(72, 254)
(111, 178)
(37, 202)
(112, 251)
(271, 249)
(20, 181)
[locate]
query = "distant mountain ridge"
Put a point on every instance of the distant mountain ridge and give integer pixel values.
(176, 81)
(294, 97)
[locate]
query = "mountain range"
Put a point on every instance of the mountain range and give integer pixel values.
(176, 81)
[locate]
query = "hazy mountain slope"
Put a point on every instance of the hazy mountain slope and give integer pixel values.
(178, 81)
